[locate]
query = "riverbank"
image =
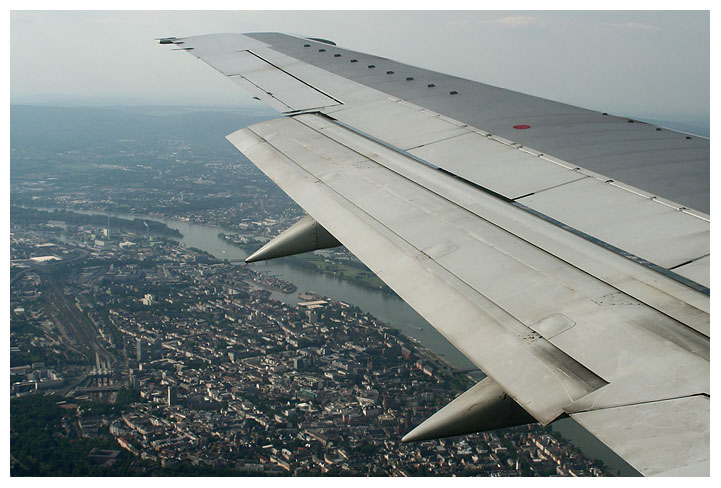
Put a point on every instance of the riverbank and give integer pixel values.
(349, 271)
(136, 225)
(353, 272)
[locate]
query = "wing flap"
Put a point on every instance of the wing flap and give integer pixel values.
(638, 225)
(498, 167)
(338, 87)
(697, 270)
(399, 125)
(234, 56)
(665, 438)
(273, 85)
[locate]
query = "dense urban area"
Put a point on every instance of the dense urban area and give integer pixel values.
(133, 354)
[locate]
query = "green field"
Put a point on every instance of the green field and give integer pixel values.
(351, 271)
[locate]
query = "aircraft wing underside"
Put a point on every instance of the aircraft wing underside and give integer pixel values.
(565, 252)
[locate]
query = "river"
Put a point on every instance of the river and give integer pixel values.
(394, 311)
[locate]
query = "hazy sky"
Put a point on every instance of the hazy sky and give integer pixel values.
(644, 64)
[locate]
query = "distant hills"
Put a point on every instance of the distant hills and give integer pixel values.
(61, 129)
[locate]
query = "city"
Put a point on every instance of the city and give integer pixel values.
(156, 358)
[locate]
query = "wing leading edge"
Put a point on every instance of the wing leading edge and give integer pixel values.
(569, 313)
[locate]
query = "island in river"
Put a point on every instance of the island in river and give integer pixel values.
(348, 269)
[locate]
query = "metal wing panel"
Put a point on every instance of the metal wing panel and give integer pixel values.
(666, 438)
(398, 124)
(638, 225)
(215, 46)
(275, 82)
(347, 91)
(261, 94)
(602, 143)
(242, 63)
(495, 166)
(697, 271)
(231, 55)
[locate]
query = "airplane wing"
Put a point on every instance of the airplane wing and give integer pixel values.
(564, 251)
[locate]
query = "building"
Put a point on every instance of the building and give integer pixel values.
(141, 349)
(172, 396)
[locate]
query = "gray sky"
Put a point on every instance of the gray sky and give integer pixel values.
(652, 65)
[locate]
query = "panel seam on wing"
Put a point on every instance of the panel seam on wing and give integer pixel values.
(295, 77)
(592, 408)
(610, 247)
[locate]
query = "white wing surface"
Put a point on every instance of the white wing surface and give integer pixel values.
(565, 252)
